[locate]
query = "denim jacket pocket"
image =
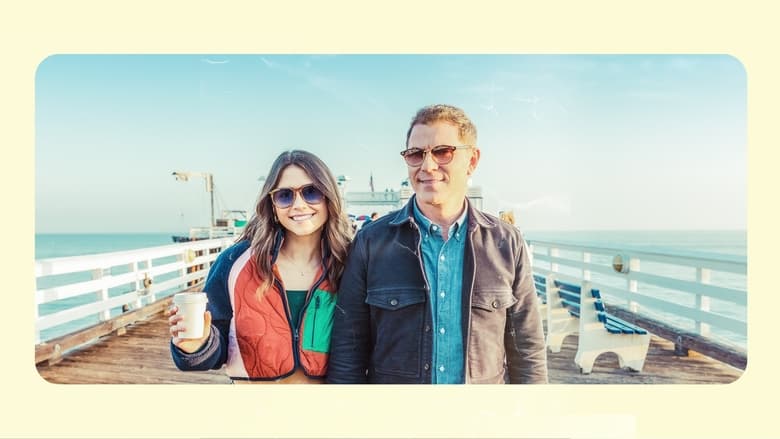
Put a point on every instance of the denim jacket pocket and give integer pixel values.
(394, 299)
(397, 316)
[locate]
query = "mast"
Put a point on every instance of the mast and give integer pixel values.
(185, 176)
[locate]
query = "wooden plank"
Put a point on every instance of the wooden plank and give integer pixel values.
(142, 357)
(52, 349)
(689, 340)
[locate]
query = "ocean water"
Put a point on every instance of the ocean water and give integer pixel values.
(55, 245)
(731, 242)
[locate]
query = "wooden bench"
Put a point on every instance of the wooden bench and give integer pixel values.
(570, 312)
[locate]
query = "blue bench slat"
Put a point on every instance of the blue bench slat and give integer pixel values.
(572, 307)
(567, 295)
(623, 328)
(567, 287)
(634, 328)
(627, 328)
(613, 330)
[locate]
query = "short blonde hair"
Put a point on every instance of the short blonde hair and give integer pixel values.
(446, 113)
(507, 216)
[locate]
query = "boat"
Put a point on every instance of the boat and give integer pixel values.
(230, 223)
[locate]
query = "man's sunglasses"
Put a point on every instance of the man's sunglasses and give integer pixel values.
(284, 197)
(442, 154)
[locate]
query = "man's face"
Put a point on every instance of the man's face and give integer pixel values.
(440, 184)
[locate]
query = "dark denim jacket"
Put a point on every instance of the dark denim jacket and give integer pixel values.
(382, 330)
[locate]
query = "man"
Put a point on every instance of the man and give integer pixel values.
(438, 292)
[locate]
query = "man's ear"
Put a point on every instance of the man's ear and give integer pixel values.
(473, 160)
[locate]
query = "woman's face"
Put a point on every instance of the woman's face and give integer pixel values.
(301, 217)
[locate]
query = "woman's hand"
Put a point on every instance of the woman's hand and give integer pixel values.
(188, 345)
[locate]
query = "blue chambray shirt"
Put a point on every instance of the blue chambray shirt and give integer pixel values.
(443, 264)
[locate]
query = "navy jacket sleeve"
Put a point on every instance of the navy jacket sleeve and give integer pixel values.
(350, 340)
(213, 354)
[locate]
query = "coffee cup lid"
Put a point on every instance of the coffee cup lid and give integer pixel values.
(190, 298)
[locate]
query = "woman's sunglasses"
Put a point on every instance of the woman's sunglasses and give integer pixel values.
(284, 197)
(441, 154)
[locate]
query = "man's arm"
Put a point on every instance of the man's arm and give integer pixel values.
(524, 337)
(350, 340)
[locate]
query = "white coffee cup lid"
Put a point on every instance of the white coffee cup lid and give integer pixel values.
(182, 298)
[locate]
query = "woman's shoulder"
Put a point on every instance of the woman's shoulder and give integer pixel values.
(230, 254)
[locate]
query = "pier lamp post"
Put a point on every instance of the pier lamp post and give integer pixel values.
(342, 180)
(185, 176)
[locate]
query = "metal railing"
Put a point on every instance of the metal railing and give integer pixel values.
(73, 293)
(693, 292)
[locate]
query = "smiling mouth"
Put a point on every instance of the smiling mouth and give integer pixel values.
(301, 217)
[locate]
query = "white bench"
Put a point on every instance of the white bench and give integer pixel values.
(569, 312)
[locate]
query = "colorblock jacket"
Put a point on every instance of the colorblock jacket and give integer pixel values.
(258, 339)
(382, 329)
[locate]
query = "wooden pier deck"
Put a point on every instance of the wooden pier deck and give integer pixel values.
(141, 356)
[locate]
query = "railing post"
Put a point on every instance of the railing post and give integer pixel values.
(98, 273)
(182, 257)
(703, 302)
(138, 284)
(633, 285)
(152, 295)
(585, 271)
(531, 254)
(554, 252)
(35, 319)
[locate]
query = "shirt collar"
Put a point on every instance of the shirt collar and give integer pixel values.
(427, 225)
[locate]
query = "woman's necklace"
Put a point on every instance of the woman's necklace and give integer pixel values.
(301, 269)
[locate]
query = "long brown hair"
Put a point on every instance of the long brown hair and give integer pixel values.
(263, 232)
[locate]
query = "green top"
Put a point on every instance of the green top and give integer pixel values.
(296, 299)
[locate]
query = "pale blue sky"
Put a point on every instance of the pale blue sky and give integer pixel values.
(569, 142)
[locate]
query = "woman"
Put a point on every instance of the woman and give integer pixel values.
(271, 295)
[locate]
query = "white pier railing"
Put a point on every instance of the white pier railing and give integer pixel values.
(73, 293)
(698, 293)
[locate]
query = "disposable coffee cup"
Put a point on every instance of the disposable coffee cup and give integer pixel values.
(191, 306)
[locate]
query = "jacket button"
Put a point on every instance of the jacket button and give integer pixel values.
(394, 302)
(426, 366)
(495, 304)
(427, 328)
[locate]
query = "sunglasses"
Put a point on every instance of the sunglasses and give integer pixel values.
(442, 154)
(284, 197)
